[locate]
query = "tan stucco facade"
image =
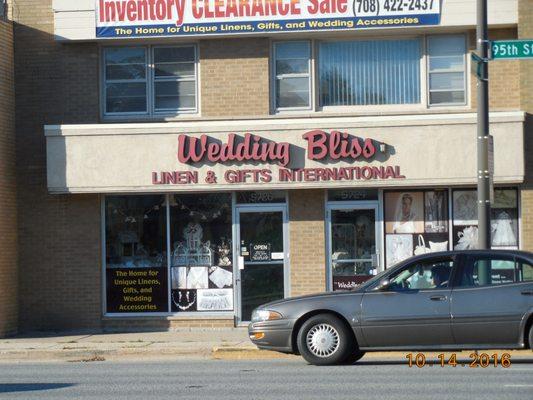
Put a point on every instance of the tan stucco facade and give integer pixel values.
(117, 158)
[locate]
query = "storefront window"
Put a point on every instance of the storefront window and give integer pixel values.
(136, 262)
(201, 258)
(416, 222)
(504, 219)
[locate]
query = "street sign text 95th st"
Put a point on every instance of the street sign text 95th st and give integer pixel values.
(509, 49)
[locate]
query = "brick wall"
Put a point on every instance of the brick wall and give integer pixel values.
(234, 77)
(525, 31)
(60, 235)
(504, 80)
(8, 196)
(307, 241)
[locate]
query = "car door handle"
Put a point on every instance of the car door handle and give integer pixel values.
(527, 292)
(437, 298)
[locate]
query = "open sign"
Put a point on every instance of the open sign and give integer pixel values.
(260, 252)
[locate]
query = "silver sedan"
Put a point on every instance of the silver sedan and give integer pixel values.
(441, 301)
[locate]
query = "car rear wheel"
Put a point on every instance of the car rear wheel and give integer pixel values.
(325, 340)
(530, 337)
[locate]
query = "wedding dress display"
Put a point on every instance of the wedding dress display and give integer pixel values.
(502, 230)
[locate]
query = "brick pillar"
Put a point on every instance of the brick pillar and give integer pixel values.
(307, 241)
(525, 31)
(8, 195)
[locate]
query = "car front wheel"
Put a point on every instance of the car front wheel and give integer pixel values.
(530, 338)
(325, 340)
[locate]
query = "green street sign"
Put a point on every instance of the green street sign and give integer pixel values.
(511, 49)
(477, 64)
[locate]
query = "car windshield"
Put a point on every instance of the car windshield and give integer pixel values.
(376, 278)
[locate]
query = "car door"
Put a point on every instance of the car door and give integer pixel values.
(415, 308)
(494, 291)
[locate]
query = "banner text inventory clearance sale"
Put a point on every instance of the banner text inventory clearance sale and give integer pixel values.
(142, 18)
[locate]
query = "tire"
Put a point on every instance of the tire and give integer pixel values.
(354, 357)
(325, 340)
(530, 337)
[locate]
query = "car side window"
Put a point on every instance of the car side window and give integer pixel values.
(490, 271)
(427, 274)
(525, 272)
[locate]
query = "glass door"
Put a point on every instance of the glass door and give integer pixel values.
(261, 273)
(353, 244)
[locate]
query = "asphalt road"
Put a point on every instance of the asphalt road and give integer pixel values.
(269, 379)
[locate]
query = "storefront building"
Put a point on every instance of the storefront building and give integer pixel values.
(190, 171)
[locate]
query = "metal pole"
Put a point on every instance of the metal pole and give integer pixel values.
(483, 177)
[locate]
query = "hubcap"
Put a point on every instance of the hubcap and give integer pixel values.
(323, 340)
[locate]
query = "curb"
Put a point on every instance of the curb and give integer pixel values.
(248, 352)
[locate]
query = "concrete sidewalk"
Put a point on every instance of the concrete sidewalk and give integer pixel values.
(222, 343)
(197, 343)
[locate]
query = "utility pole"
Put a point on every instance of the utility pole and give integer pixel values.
(483, 138)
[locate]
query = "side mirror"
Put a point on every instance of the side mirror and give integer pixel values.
(383, 285)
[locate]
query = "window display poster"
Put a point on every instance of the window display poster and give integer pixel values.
(404, 212)
(465, 207)
(436, 211)
(416, 222)
(135, 290)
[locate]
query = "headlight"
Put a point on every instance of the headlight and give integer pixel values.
(265, 315)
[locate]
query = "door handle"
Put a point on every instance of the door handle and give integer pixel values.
(527, 292)
(437, 298)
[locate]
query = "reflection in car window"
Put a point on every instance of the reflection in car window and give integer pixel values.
(433, 274)
(489, 271)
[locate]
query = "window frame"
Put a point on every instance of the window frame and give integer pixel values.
(174, 79)
(423, 105)
(151, 112)
(104, 82)
(274, 77)
(465, 75)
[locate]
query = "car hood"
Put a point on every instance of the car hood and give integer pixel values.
(308, 296)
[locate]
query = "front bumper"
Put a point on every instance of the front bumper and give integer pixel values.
(277, 335)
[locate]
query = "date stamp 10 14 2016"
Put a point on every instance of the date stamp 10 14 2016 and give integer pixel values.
(475, 360)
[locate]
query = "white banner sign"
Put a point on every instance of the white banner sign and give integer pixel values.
(145, 18)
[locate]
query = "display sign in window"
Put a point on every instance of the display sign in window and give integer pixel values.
(136, 265)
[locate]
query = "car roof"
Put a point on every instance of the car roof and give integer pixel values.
(451, 253)
(509, 252)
